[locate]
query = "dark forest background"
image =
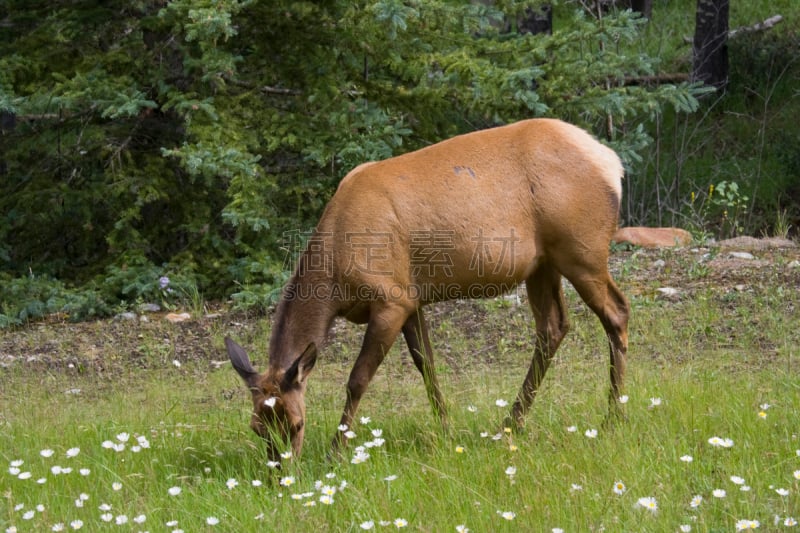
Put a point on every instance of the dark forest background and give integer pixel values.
(176, 152)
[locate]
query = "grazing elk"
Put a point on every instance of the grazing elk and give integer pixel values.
(470, 217)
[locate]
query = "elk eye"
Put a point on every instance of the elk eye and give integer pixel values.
(299, 426)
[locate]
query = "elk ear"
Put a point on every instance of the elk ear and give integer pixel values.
(241, 362)
(302, 366)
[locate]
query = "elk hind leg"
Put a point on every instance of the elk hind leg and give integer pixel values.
(546, 298)
(604, 298)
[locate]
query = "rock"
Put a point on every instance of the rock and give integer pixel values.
(127, 315)
(794, 264)
(178, 317)
(149, 308)
(742, 255)
(668, 293)
(652, 237)
(658, 264)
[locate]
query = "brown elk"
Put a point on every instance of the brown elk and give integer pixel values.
(469, 217)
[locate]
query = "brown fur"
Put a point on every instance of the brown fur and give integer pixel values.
(529, 202)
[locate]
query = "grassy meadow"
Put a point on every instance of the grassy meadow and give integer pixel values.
(142, 426)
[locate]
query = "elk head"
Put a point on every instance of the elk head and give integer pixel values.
(279, 408)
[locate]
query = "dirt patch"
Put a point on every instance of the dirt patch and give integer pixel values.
(111, 346)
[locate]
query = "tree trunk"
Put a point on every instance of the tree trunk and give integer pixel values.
(645, 7)
(711, 43)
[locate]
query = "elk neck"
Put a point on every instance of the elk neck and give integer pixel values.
(303, 315)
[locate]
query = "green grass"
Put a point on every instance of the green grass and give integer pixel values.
(713, 359)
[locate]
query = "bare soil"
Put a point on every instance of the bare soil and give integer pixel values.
(151, 341)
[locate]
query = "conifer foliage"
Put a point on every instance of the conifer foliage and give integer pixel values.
(188, 139)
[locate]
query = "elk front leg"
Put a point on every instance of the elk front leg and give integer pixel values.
(415, 331)
(382, 329)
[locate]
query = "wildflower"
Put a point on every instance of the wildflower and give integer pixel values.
(174, 491)
(55, 469)
(85, 471)
(737, 480)
(513, 447)
(369, 524)
(231, 483)
(508, 515)
(556, 530)
(459, 449)
(591, 433)
(287, 481)
(24, 475)
(270, 402)
(163, 282)
(46, 453)
(575, 487)
(365, 420)
(28, 515)
(107, 444)
(106, 517)
(140, 519)
(286, 454)
(687, 458)
(718, 493)
(789, 522)
(741, 525)
(66, 470)
(342, 427)
(572, 429)
(461, 528)
(648, 503)
(326, 499)
(57, 527)
(685, 528)
(176, 363)
(501, 403)
(472, 409)
(17, 463)
(121, 519)
(273, 464)
(623, 398)
(377, 432)
(212, 520)
(116, 485)
(764, 406)
(762, 415)
(76, 524)
(744, 488)
(511, 471)
(720, 442)
(72, 452)
(655, 402)
(400, 522)
(390, 478)
(256, 482)
(619, 487)
(360, 457)
(104, 507)
(782, 492)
